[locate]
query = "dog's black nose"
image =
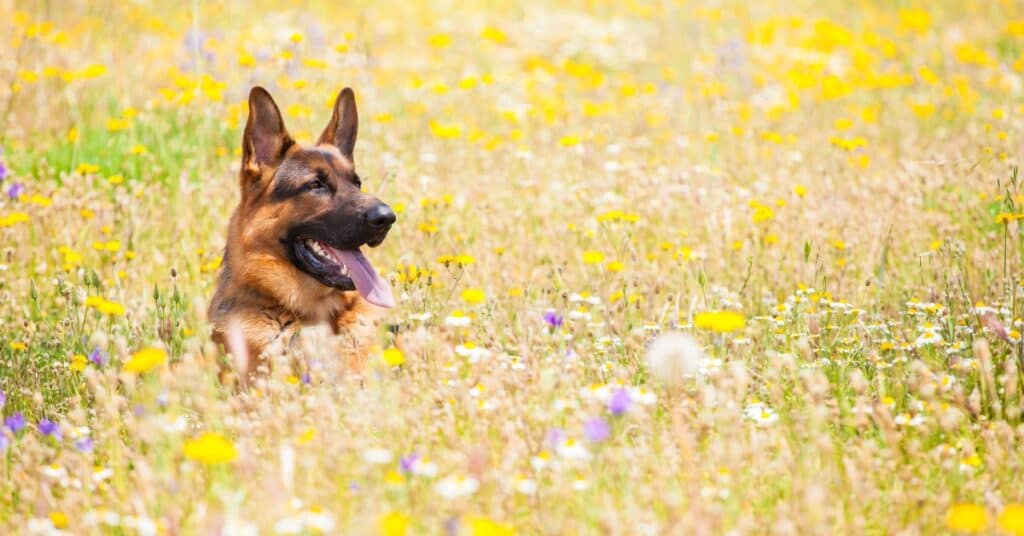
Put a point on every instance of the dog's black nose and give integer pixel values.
(380, 215)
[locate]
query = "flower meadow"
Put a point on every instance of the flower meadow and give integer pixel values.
(680, 267)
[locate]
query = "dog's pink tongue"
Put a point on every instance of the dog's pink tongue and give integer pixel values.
(371, 286)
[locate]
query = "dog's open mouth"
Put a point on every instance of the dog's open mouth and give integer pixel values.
(343, 269)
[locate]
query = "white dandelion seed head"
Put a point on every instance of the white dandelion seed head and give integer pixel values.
(674, 356)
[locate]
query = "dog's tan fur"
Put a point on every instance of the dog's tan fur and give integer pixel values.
(262, 298)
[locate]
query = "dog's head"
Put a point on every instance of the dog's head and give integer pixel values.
(305, 205)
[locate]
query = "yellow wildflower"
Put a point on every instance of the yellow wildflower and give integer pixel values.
(473, 296)
(720, 321)
(393, 357)
(967, 517)
(78, 362)
(1011, 520)
(393, 524)
(145, 360)
(210, 449)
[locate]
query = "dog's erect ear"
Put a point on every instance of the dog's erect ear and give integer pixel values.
(266, 139)
(341, 130)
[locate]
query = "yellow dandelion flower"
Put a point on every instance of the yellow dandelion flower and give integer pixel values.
(569, 140)
(1011, 520)
(40, 200)
(87, 169)
(210, 449)
(482, 526)
(445, 131)
(145, 360)
(473, 296)
(967, 517)
(394, 524)
(393, 357)
(78, 362)
(440, 40)
(59, 519)
(246, 59)
(92, 71)
(915, 20)
(593, 257)
(763, 214)
(615, 266)
(104, 306)
(306, 437)
(720, 321)
(491, 33)
(117, 124)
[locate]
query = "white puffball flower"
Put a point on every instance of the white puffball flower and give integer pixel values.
(674, 356)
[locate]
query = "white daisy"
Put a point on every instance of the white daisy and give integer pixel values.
(456, 486)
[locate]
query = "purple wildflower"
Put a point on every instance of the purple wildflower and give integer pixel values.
(553, 319)
(407, 463)
(97, 358)
(306, 379)
(620, 402)
(15, 190)
(50, 429)
(15, 423)
(597, 429)
(3, 171)
(555, 436)
(451, 526)
(4, 442)
(83, 444)
(3, 399)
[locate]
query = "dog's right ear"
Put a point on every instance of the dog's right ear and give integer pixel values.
(266, 139)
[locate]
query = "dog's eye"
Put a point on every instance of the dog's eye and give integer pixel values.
(317, 184)
(357, 181)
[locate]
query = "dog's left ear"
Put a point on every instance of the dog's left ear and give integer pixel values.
(341, 130)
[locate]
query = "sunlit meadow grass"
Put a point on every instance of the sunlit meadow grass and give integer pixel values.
(824, 196)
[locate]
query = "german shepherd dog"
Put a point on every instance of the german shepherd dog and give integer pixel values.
(293, 256)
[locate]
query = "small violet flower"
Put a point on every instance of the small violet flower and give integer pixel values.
(15, 190)
(407, 463)
(620, 402)
(15, 423)
(555, 436)
(83, 444)
(596, 430)
(553, 319)
(97, 358)
(50, 429)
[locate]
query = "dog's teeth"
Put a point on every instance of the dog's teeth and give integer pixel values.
(315, 247)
